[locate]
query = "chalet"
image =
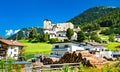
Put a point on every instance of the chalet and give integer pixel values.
(10, 48)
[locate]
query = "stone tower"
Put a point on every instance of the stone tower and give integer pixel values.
(47, 24)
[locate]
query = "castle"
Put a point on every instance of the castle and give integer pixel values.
(58, 30)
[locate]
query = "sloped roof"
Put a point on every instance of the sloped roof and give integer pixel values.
(11, 42)
(95, 44)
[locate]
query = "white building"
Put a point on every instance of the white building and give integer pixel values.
(117, 39)
(94, 46)
(10, 48)
(59, 49)
(109, 54)
(58, 30)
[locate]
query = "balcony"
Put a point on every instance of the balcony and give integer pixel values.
(61, 49)
(1, 49)
(2, 53)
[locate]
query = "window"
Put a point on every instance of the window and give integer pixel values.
(11, 53)
(56, 53)
(56, 46)
(15, 50)
(59, 35)
(11, 47)
(66, 46)
(15, 55)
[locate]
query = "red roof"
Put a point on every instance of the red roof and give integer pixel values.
(11, 42)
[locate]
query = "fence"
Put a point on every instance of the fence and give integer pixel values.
(54, 67)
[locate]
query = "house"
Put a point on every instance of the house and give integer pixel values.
(10, 48)
(94, 46)
(58, 30)
(59, 49)
(109, 54)
(117, 39)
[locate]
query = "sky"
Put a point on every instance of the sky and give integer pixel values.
(18, 14)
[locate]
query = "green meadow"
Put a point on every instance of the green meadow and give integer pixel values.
(112, 45)
(36, 48)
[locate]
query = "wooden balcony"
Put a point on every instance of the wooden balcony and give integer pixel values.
(1, 49)
(2, 54)
(21, 50)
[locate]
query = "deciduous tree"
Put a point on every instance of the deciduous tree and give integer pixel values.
(81, 36)
(69, 33)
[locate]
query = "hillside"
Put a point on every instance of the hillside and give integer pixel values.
(91, 14)
(111, 20)
(24, 33)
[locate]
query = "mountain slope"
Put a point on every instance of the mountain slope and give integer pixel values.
(91, 14)
(112, 21)
(24, 33)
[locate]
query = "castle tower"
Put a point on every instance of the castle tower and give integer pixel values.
(47, 24)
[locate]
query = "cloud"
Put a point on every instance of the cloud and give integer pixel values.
(11, 32)
(16, 31)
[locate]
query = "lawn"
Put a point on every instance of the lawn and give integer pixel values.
(36, 48)
(111, 46)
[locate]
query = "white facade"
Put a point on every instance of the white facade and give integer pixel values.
(59, 30)
(61, 34)
(13, 52)
(94, 46)
(117, 39)
(10, 48)
(62, 48)
(107, 54)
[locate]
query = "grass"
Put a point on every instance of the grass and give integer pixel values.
(36, 48)
(111, 46)
(104, 37)
(106, 68)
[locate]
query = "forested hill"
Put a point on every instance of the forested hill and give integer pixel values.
(112, 21)
(24, 33)
(92, 14)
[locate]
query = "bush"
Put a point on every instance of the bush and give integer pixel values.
(66, 68)
(96, 38)
(53, 40)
